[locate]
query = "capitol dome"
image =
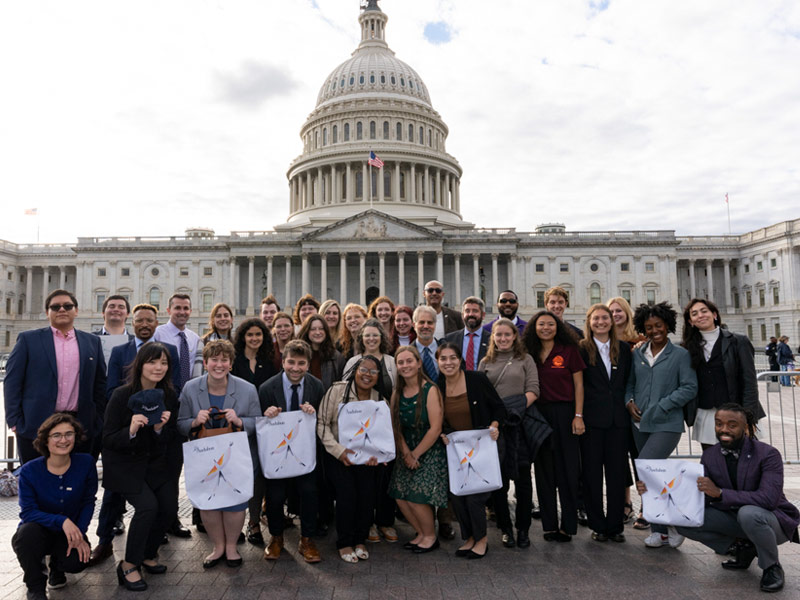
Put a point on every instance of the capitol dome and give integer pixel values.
(374, 103)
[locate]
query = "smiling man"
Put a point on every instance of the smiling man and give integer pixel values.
(55, 369)
(473, 339)
(507, 307)
(179, 335)
(745, 499)
(447, 319)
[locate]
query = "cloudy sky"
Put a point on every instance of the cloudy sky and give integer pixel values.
(148, 117)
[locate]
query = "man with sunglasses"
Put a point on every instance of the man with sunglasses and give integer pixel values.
(447, 319)
(507, 306)
(55, 369)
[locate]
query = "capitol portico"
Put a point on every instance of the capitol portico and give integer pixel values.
(350, 241)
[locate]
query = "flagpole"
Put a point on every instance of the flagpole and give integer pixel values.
(370, 185)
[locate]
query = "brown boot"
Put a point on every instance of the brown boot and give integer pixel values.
(100, 553)
(273, 550)
(308, 550)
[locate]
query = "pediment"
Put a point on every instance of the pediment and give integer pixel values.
(372, 225)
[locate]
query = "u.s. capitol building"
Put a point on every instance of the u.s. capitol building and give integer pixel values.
(355, 232)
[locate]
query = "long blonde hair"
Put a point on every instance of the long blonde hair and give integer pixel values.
(587, 343)
(346, 338)
(628, 331)
(517, 347)
(336, 332)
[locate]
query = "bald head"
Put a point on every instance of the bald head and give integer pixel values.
(434, 293)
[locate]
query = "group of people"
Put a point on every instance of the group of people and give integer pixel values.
(570, 405)
(781, 358)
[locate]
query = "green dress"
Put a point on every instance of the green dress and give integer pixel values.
(428, 484)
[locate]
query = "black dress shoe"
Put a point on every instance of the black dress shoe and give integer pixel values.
(474, 556)
(409, 546)
(131, 586)
(178, 530)
(599, 537)
(254, 536)
(523, 540)
(155, 569)
(583, 519)
(617, 537)
(446, 531)
(431, 548)
(508, 539)
(772, 579)
(119, 527)
(745, 553)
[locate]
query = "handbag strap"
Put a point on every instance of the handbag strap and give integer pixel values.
(508, 362)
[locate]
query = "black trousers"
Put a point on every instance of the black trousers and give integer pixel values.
(154, 512)
(275, 492)
(385, 505)
(111, 511)
(523, 486)
(557, 467)
(355, 500)
(471, 514)
(32, 542)
(605, 453)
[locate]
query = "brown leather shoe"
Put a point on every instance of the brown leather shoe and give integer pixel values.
(308, 550)
(100, 553)
(273, 549)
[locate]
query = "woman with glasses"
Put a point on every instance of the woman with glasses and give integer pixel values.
(56, 500)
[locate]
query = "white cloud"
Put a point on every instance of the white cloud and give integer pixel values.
(144, 118)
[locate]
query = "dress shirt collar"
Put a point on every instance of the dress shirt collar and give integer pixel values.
(287, 389)
(68, 336)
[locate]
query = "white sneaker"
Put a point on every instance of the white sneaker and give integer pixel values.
(675, 538)
(656, 540)
(373, 535)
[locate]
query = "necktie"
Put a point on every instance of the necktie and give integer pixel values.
(183, 357)
(470, 360)
(295, 404)
(726, 452)
(429, 365)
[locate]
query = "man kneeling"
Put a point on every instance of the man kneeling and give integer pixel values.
(744, 498)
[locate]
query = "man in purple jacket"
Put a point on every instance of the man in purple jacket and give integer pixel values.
(744, 495)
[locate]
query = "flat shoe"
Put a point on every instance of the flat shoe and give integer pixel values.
(363, 554)
(210, 563)
(409, 546)
(641, 523)
(350, 557)
(431, 548)
(234, 562)
(463, 553)
(475, 556)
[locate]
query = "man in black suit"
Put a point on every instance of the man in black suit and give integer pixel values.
(473, 339)
(293, 389)
(447, 319)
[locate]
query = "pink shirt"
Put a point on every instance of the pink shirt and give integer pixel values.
(68, 366)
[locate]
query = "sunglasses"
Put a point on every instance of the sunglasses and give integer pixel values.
(68, 306)
(506, 301)
(434, 290)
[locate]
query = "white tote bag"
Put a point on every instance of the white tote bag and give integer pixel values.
(287, 444)
(366, 428)
(473, 462)
(672, 496)
(218, 471)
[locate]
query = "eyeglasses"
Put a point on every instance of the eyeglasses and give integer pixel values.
(366, 371)
(506, 301)
(57, 437)
(67, 306)
(433, 290)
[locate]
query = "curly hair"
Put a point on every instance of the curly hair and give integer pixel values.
(692, 339)
(265, 350)
(517, 347)
(662, 310)
(326, 349)
(43, 433)
(217, 347)
(386, 343)
(533, 344)
(305, 300)
(750, 420)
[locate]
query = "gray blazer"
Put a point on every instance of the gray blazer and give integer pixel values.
(241, 396)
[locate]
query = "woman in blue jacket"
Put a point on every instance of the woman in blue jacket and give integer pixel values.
(662, 382)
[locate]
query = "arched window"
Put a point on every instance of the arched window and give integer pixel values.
(359, 130)
(386, 130)
(316, 140)
(352, 79)
(359, 185)
(324, 136)
(594, 294)
(361, 79)
(421, 135)
(387, 183)
(372, 130)
(402, 186)
(399, 131)
(335, 134)
(410, 133)
(383, 78)
(372, 77)
(430, 138)
(155, 297)
(347, 132)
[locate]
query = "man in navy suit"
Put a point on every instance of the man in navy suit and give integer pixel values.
(744, 498)
(507, 306)
(473, 339)
(55, 369)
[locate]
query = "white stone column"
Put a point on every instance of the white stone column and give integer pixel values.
(663, 277)
(692, 284)
(362, 278)
(396, 182)
(343, 278)
(447, 202)
(512, 284)
(495, 286)
(411, 186)
(304, 274)
(309, 190)
(379, 185)
(457, 267)
(440, 266)
(530, 299)
(476, 275)
(288, 295)
(232, 284)
(78, 283)
(710, 278)
(420, 275)
(270, 280)
(251, 273)
(88, 267)
(323, 275)
(29, 290)
(637, 281)
(401, 276)
(62, 277)
(382, 273)
(726, 269)
(437, 199)
(335, 193)
(138, 291)
(196, 284)
(612, 277)
(426, 196)
(349, 194)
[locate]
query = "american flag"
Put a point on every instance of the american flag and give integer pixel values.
(374, 161)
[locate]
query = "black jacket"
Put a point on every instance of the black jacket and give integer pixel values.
(457, 337)
(604, 398)
(264, 370)
(485, 405)
(271, 392)
(129, 463)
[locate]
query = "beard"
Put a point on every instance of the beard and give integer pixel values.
(473, 322)
(732, 444)
(508, 312)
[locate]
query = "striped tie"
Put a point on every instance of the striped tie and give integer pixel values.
(429, 365)
(183, 356)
